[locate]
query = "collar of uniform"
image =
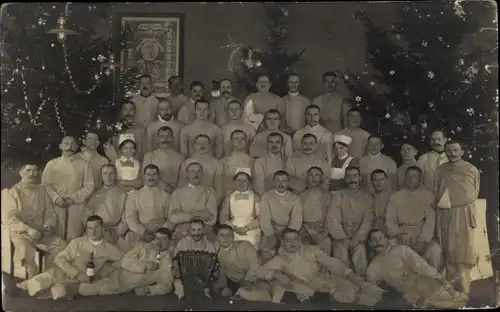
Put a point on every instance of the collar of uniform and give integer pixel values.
(343, 157)
(123, 158)
(86, 152)
(192, 100)
(374, 156)
(95, 243)
(272, 155)
(192, 186)
(280, 194)
(313, 127)
(165, 121)
(293, 93)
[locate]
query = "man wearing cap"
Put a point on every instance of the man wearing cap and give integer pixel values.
(325, 137)
(235, 122)
(375, 159)
(408, 154)
(430, 161)
(341, 160)
(272, 123)
(265, 166)
(165, 119)
(359, 137)
(238, 159)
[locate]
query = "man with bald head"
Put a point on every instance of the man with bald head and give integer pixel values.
(430, 161)
(176, 97)
(69, 183)
(165, 119)
(89, 153)
(220, 105)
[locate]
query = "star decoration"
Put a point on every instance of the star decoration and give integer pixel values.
(41, 21)
(372, 83)
(358, 99)
(392, 72)
(387, 116)
(424, 43)
(430, 74)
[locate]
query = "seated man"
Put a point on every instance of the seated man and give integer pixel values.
(404, 270)
(72, 264)
(30, 220)
(305, 269)
(238, 261)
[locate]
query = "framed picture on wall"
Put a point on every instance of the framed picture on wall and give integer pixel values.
(155, 46)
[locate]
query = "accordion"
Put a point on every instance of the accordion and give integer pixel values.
(197, 269)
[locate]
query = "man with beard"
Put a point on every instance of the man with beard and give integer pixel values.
(146, 104)
(108, 202)
(256, 105)
(201, 125)
(69, 183)
(235, 123)
(298, 165)
(315, 200)
(305, 269)
(411, 219)
(166, 159)
(376, 160)
(295, 105)
(193, 200)
(165, 119)
(404, 270)
(381, 195)
(272, 122)
(334, 109)
(90, 154)
(408, 153)
(430, 161)
(237, 160)
(265, 166)
(186, 113)
(176, 97)
(325, 137)
(359, 137)
(279, 209)
(146, 209)
(30, 219)
(220, 105)
(134, 131)
(349, 219)
(457, 189)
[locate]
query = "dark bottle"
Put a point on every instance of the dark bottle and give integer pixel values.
(91, 267)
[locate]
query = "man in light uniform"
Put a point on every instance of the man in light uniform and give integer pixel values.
(29, 216)
(176, 97)
(146, 104)
(237, 159)
(279, 209)
(411, 219)
(456, 190)
(404, 270)
(315, 200)
(90, 154)
(430, 161)
(295, 105)
(69, 183)
(166, 158)
(272, 121)
(220, 105)
(340, 161)
(165, 119)
(235, 122)
(359, 137)
(325, 137)
(381, 195)
(265, 166)
(349, 219)
(408, 153)
(376, 160)
(186, 113)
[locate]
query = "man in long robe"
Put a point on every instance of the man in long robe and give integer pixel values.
(357, 148)
(64, 280)
(381, 195)
(213, 170)
(279, 209)
(295, 105)
(201, 125)
(108, 202)
(146, 104)
(265, 166)
(176, 97)
(166, 158)
(305, 269)
(89, 153)
(315, 200)
(408, 153)
(325, 137)
(299, 164)
(29, 216)
(272, 121)
(186, 113)
(411, 219)
(430, 161)
(376, 160)
(165, 119)
(349, 219)
(193, 200)
(146, 209)
(256, 105)
(401, 268)
(340, 162)
(456, 190)
(221, 104)
(235, 122)
(69, 183)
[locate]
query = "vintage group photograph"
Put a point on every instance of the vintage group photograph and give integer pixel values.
(249, 156)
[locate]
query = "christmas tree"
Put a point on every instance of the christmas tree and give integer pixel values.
(276, 62)
(56, 84)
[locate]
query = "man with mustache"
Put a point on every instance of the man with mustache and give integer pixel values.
(411, 219)
(176, 97)
(299, 164)
(237, 160)
(457, 189)
(220, 105)
(30, 220)
(381, 195)
(166, 158)
(272, 123)
(408, 154)
(69, 183)
(165, 119)
(146, 104)
(146, 209)
(401, 268)
(430, 161)
(89, 152)
(295, 105)
(375, 159)
(357, 148)
(235, 123)
(265, 166)
(325, 137)
(186, 113)
(349, 219)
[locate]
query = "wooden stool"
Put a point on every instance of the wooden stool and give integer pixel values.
(38, 260)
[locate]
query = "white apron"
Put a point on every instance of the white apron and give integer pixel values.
(241, 213)
(339, 173)
(127, 173)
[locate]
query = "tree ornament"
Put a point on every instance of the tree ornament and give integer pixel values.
(358, 98)
(27, 140)
(372, 83)
(424, 43)
(430, 74)
(392, 72)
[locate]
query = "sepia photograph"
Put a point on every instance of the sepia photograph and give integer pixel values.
(240, 156)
